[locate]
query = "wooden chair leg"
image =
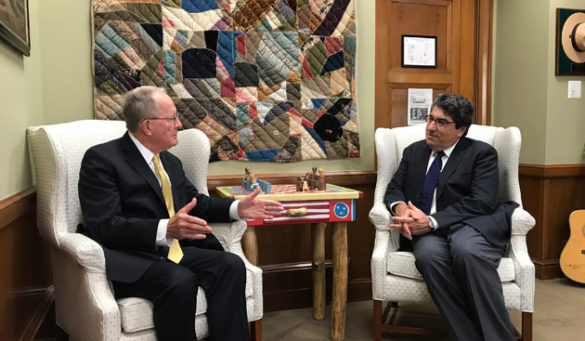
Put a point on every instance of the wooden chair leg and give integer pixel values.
(377, 318)
(385, 322)
(256, 330)
(526, 326)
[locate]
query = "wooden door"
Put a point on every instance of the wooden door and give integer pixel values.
(463, 32)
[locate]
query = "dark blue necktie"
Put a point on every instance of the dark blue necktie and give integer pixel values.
(425, 197)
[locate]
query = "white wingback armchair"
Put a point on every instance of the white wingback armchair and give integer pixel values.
(85, 305)
(394, 274)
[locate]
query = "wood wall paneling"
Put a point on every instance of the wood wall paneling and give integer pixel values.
(26, 291)
(550, 193)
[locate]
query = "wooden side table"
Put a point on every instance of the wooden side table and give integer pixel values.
(335, 205)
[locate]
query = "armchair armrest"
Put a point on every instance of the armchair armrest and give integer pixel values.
(380, 217)
(521, 222)
(230, 234)
(84, 251)
(384, 242)
(230, 237)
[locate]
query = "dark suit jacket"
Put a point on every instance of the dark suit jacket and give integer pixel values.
(122, 203)
(467, 191)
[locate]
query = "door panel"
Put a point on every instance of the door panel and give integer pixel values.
(456, 25)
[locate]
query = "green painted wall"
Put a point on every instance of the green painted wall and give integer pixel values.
(526, 92)
(65, 40)
(565, 122)
(54, 86)
(20, 107)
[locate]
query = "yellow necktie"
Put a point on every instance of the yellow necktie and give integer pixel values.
(175, 252)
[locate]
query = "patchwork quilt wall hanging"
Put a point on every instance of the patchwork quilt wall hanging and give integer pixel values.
(266, 80)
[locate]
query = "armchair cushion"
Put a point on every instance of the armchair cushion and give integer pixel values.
(136, 313)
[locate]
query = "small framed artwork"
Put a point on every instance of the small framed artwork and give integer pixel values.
(14, 26)
(419, 51)
(570, 42)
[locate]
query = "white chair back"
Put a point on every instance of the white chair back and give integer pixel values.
(507, 141)
(58, 149)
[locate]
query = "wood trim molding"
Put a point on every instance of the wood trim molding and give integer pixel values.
(16, 206)
(551, 171)
(292, 266)
(483, 82)
(46, 296)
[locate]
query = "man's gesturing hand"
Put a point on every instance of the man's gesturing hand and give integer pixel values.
(183, 225)
(252, 207)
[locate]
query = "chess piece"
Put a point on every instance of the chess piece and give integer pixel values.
(299, 184)
(313, 184)
(246, 179)
(321, 185)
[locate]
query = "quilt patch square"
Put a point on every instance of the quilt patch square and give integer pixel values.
(266, 80)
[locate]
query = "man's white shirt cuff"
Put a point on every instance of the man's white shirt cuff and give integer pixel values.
(234, 210)
(161, 234)
(433, 223)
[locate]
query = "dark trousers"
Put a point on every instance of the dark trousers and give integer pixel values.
(173, 290)
(460, 270)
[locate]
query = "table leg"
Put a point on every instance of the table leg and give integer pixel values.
(339, 248)
(318, 240)
(250, 245)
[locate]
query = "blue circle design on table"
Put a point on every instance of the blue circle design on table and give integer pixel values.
(341, 210)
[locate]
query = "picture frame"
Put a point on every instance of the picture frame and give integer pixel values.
(14, 24)
(419, 51)
(568, 60)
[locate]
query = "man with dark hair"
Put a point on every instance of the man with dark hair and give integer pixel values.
(443, 199)
(153, 224)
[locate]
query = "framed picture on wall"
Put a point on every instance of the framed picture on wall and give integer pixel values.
(570, 42)
(14, 26)
(419, 51)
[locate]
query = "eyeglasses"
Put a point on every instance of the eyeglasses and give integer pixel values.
(172, 118)
(441, 122)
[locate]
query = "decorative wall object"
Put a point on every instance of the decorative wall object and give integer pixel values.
(570, 42)
(266, 80)
(14, 26)
(419, 51)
